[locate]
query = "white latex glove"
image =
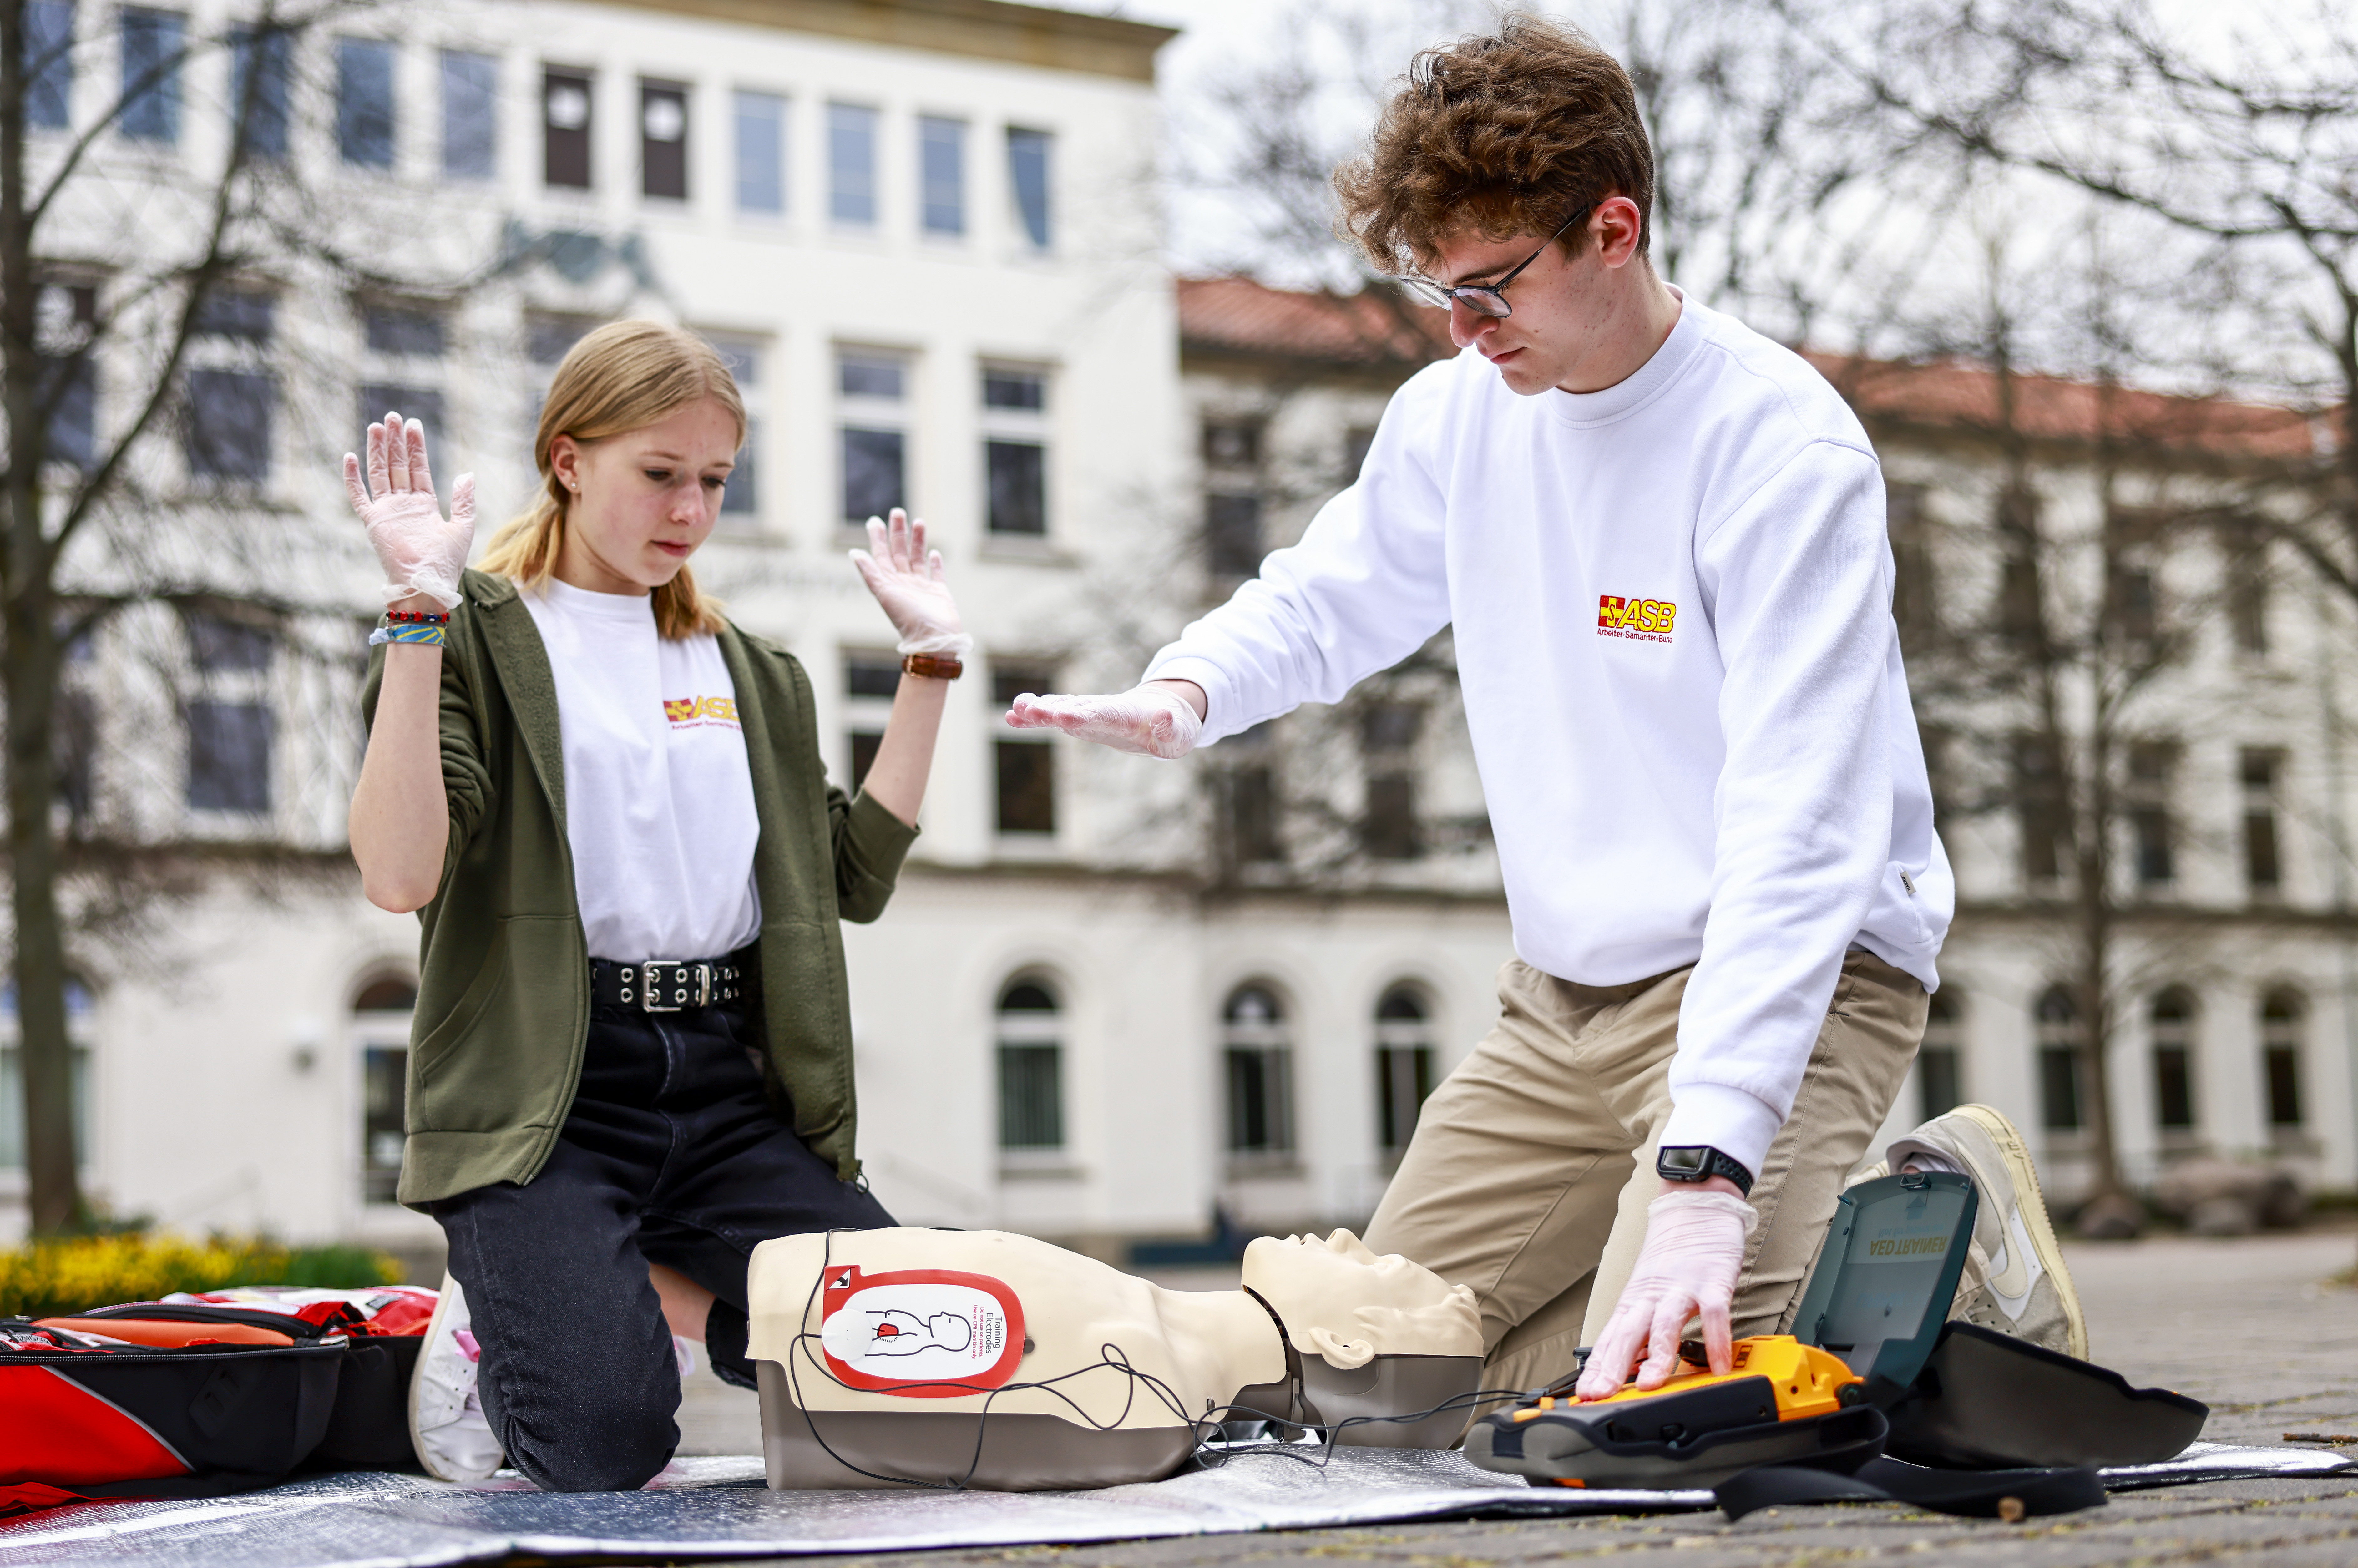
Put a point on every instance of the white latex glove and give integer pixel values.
(906, 580)
(1694, 1248)
(1153, 720)
(422, 551)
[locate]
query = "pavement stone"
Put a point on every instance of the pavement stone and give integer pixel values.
(2250, 1325)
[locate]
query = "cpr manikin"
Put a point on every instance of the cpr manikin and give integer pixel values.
(908, 1357)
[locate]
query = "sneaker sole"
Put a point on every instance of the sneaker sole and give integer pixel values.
(2039, 1228)
(417, 1439)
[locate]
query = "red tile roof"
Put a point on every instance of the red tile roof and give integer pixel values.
(1239, 315)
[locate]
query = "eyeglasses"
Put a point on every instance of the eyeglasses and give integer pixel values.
(1484, 298)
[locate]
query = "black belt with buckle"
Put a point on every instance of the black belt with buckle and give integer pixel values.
(666, 985)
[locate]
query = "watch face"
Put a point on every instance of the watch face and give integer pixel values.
(1682, 1165)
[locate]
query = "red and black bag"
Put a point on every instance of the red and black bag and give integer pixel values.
(195, 1398)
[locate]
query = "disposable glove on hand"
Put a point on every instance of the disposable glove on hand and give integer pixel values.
(422, 551)
(906, 580)
(1151, 720)
(1694, 1248)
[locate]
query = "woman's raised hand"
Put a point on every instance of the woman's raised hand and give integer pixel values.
(422, 552)
(906, 580)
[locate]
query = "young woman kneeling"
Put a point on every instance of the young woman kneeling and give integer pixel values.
(631, 1059)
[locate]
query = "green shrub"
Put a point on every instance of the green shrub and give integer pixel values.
(55, 1278)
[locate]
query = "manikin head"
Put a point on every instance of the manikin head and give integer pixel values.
(1340, 1301)
(1492, 145)
(636, 442)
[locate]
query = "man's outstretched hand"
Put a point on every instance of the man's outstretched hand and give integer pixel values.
(1161, 719)
(1694, 1248)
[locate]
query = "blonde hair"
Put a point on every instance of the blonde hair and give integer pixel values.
(624, 376)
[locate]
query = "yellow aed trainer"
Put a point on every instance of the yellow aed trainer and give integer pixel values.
(1869, 1319)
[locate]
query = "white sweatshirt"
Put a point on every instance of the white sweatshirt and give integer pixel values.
(1673, 604)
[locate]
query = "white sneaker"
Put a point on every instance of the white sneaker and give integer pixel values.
(2015, 1281)
(447, 1426)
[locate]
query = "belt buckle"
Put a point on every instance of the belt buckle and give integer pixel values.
(656, 980)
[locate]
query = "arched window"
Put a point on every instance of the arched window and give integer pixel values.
(2173, 1062)
(1258, 1052)
(1403, 1064)
(2058, 1062)
(81, 1014)
(2280, 1031)
(381, 1035)
(1939, 1063)
(1031, 1028)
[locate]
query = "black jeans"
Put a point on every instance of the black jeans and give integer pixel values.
(670, 1154)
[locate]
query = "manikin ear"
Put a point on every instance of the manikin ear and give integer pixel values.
(1340, 1352)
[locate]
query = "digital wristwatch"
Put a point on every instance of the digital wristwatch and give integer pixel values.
(1699, 1162)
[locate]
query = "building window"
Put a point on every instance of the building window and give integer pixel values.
(1026, 761)
(941, 174)
(1940, 1061)
(2136, 604)
(405, 343)
(2261, 770)
(470, 114)
(1014, 449)
(81, 1017)
(231, 725)
(565, 128)
(2173, 1062)
(151, 44)
(871, 680)
(851, 164)
(2280, 1032)
(381, 1017)
(260, 84)
(1913, 604)
(2153, 766)
(364, 103)
(1250, 817)
(2042, 810)
(1232, 496)
(1388, 737)
(663, 140)
(1259, 1056)
(65, 326)
(1031, 1070)
(761, 153)
(549, 339)
(2247, 589)
(74, 746)
(742, 497)
(2058, 1062)
(1027, 181)
(414, 331)
(1404, 1074)
(48, 63)
(873, 391)
(229, 424)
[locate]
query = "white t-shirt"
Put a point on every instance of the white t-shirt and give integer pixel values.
(658, 796)
(1672, 612)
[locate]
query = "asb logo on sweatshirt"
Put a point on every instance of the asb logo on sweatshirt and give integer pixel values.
(687, 712)
(1646, 620)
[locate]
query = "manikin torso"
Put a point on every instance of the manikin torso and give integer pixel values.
(880, 1352)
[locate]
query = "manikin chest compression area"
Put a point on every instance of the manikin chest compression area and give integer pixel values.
(932, 1357)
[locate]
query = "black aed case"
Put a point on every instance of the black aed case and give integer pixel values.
(1873, 1367)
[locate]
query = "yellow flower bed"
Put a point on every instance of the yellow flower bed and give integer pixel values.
(47, 1279)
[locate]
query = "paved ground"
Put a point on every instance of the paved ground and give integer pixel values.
(2247, 1325)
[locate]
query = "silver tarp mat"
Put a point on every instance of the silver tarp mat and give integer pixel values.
(718, 1508)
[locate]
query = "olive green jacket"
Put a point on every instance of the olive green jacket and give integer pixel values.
(503, 980)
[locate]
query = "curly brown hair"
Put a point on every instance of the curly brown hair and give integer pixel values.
(1504, 134)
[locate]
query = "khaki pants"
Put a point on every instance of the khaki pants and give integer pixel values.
(1532, 1164)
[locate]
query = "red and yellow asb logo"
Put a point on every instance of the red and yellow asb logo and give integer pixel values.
(683, 710)
(1647, 619)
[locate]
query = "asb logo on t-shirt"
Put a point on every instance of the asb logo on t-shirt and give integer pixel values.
(695, 712)
(1646, 620)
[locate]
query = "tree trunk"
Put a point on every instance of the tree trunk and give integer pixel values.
(28, 675)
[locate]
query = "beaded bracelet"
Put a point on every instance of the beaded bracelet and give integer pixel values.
(429, 635)
(417, 617)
